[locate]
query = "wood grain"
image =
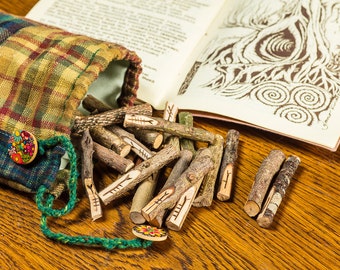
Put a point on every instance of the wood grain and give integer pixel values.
(304, 235)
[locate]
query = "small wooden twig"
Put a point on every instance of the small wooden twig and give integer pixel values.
(143, 194)
(136, 175)
(180, 166)
(206, 193)
(278, 191)
(170, 114)
(269, 167)
(159, 124)
(112, 159)
(136, 146)
(227, 166)
(167, 199)
(87, 174)
(176, 218)
(110, 140)
(107, 118)
(94, 105)
(152, 139)
(187, 119)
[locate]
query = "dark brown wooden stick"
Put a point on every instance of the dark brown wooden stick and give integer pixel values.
(111, 117)
(227, 166)
(167, 199)
(112, 159)
(206, 193)
(87, 174)
(94, 105)
(136, 175)
(278, 191)
(159, 124)
(269, 167)
(110, 140)
(187, 119)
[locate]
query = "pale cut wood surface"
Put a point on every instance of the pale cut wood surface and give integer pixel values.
(305, 232)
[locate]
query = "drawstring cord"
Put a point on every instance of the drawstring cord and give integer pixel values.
(44, 201)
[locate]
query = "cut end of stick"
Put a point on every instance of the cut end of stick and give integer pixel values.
(251, 208)
(158, 141)
(137, 217)
(222, 196)
(264, 221)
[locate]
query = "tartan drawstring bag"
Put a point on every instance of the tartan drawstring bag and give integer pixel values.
(45, 72)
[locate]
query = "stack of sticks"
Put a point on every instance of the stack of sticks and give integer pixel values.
(274, 174)
(197, 175)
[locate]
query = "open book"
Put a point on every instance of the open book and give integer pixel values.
(272, 64)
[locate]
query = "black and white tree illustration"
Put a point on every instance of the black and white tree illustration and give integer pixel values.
(282, 53)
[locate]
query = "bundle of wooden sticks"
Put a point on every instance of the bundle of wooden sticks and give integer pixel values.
(196, 177)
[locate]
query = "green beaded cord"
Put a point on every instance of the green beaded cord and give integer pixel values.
(45, 201)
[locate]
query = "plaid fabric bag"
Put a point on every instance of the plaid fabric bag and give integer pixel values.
(44, 74)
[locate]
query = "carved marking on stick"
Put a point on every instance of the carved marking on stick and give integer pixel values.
(119, 184)
(158, 200)
(140, 119)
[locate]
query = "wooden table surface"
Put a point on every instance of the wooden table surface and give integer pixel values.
(304, 235)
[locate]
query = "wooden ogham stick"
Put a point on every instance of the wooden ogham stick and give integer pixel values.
(179, 213)
(159, 124)
(269, 167)
(136, 175)
(153, 139)
(186, 118)
(136, 146)
(227, 166)
(206, 193)
(112, 159)
(87, 174)
(180, 166)
(111, 117)
(278, 191)
(110, 140)
(167, 199)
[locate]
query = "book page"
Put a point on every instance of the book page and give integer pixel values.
(163, 33)
(274, 64)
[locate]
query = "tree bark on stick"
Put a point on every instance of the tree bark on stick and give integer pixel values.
(87, 174)
(112, 159)
(136, 175)
(278, 191)
(167, 199)
(227, 166)
(115, 116)
(269, 167)
(176, 218)
(187, 119)
(206, 193)
(159, 124)
(110, 140)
